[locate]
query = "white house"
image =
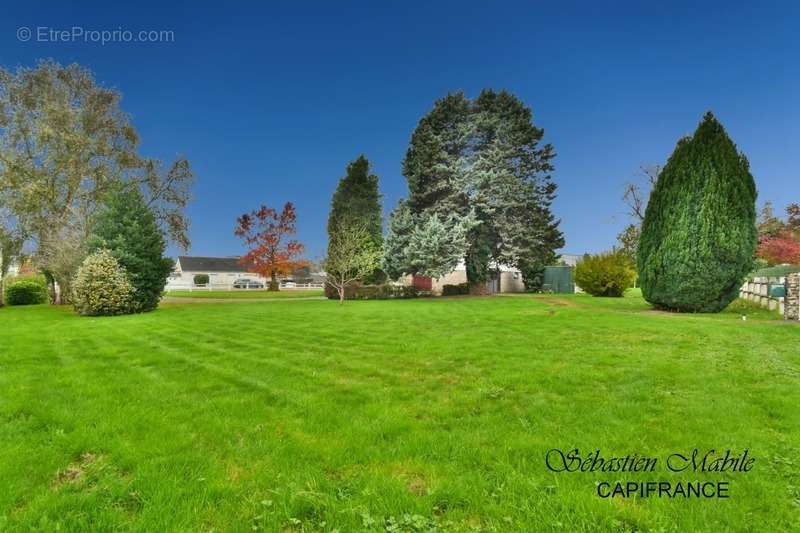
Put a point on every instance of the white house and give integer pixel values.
(222, 271)
(570, 259)
(13, 269)
(504, 279)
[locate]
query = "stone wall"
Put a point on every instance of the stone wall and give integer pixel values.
(792, 300)
(757, 290)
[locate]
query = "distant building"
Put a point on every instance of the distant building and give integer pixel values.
(13, 269)
(503, 279)
(570, 259)
(220, 270)
(224, 271)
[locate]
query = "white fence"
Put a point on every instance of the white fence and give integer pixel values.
(228, 287)
(757, 290)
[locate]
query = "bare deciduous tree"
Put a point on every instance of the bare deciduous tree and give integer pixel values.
(636, 195)
(63, 250)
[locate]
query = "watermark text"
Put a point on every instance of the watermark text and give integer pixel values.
(79, 34)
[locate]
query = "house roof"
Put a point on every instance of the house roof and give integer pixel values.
(210, 264)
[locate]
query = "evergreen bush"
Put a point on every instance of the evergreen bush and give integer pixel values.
(201, 279)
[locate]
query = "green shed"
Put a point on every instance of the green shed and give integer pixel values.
(558, 279)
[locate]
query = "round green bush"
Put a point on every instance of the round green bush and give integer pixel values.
(201, 279)
(26, 292)
(607, 274)
(102, 287)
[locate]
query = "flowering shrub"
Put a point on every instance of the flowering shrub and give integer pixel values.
(102, 287)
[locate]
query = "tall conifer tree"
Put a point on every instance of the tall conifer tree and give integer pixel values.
(699, 234)
(485, 158)
(127, 227)
(357, 201)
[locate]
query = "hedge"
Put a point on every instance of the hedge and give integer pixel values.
(373, 292)
(455, 290)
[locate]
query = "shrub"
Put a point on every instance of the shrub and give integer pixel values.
(607, 274)
(532, 277)
(699, 235)
(39, 279)
(201, 279)
(26, 292)
(102, 287)
(455, 290)
(373, 292)
(127, 227)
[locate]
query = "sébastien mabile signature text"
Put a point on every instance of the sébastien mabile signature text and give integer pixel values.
(696, 461)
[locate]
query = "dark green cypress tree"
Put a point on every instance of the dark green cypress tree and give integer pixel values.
(699, 237)
(128, 228)
(357, 200)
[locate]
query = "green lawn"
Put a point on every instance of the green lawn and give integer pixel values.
(248, 294)
(410, 414)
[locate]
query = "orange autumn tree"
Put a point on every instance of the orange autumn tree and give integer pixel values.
(266, 233)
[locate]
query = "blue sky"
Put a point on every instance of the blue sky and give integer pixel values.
(270, 101)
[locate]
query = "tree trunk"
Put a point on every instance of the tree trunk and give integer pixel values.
(273, 282)
(52, 288)
(341, 294)
(56, 288)
(476, 263)
(478, 288)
